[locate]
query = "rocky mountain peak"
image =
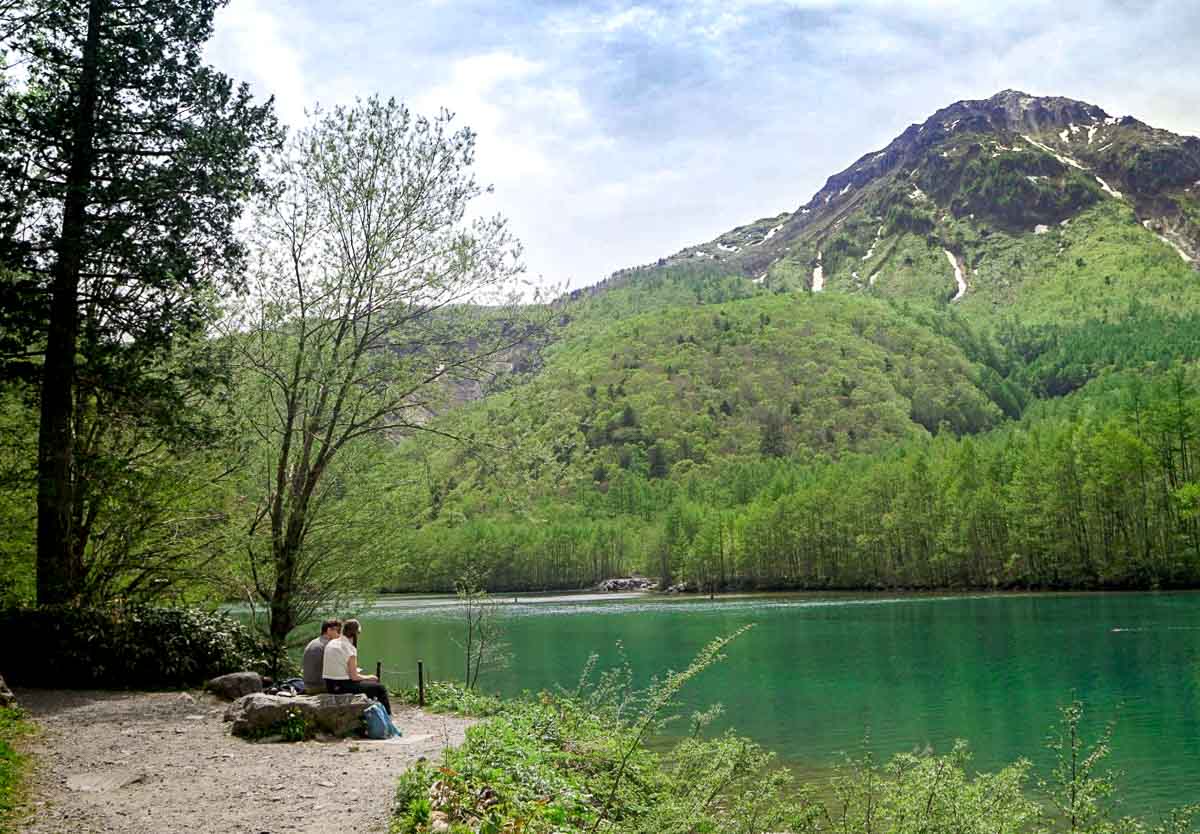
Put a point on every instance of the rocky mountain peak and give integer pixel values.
(1015, 162)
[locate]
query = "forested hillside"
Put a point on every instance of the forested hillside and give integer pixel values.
(966, 362)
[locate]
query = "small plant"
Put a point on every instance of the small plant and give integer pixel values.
(296, 727)
(483, 642)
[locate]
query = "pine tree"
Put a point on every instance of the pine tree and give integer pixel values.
(124, 162)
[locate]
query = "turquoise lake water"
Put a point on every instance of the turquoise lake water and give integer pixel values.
(819, 673)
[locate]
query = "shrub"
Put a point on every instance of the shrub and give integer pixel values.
(451, 697)
(131, 647)
(13, 764)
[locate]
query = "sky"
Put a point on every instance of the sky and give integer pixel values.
(616, 133)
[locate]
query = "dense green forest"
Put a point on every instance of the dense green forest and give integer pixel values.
(1098, 490)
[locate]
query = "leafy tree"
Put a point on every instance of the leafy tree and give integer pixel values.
(772, 439)
(124, 162)
(371, 293)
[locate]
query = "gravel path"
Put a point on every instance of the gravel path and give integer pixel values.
(158, 763)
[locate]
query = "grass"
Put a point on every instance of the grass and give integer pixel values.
(14, 764)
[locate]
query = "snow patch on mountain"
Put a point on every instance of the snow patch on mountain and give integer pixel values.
(958, 275)
(874, 243)
(1149, 224)
(1107, 188)
(1065, 160)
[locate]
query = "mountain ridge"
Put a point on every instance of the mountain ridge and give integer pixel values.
(1157, 172)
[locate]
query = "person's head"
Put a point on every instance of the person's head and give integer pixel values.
(350, 630)
(331, 628)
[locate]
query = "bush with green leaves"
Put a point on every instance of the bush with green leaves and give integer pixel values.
(124, 647)
(452, 697)
(13, 763)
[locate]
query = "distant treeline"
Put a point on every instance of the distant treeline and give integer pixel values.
(1097, 491)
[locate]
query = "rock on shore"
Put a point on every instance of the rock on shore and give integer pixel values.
(627, 583)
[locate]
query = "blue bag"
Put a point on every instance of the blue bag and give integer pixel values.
(379, 723)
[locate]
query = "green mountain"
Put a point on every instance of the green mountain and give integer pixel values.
(953, 285)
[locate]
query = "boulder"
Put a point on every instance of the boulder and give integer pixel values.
(626, 583)
(235, 685)
(337, 715)
(7, 698)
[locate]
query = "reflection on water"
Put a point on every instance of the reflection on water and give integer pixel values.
(819, 672)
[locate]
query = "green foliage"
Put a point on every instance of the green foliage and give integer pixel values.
(14, 764)
(130, 647)
(131, 159)
(344, 351)
(1093, 491)
(921, 794)
(577, 762)
(1015, 190)
(453, 697)
(1095, 267)
(1158, 167)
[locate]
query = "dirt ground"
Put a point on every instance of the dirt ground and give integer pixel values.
(159, 763)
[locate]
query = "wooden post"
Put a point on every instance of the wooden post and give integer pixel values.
(379, 671)
(420, 683)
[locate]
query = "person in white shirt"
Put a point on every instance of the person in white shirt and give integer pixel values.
(340, 668)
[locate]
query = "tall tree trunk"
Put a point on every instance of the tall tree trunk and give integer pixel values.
(59, 565)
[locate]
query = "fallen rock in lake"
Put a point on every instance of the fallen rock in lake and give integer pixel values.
(7, 698)
(235, 685)
(627, 583)
(337, 715)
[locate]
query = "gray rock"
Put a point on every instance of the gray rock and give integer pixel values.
(626, 583)
(235, 685)
(337, 715)
(7, 698)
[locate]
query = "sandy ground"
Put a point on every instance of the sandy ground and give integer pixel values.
(158, 763)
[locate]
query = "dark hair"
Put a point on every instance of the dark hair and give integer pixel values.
(350, 631)
(332, 622)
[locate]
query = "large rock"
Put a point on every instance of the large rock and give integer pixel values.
(235, 685)
(7, 699)
(337, 715)
(627, 583)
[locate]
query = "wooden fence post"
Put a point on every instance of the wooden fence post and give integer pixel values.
(420, 683)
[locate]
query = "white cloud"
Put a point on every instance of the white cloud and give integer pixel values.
(252, 43)
(484, 93)
(616, 131)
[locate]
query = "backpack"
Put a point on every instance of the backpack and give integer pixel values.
(379, 723)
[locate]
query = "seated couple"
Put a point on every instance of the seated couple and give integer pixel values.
(331, 664)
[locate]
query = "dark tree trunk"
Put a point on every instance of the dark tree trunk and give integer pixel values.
(59, 566)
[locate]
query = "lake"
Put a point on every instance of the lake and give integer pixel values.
(819, 673)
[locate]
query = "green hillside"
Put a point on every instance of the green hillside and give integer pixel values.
(816, 400)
